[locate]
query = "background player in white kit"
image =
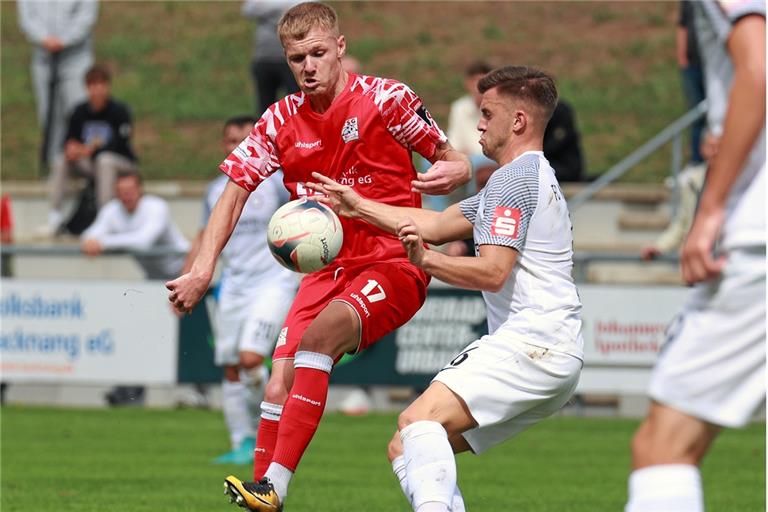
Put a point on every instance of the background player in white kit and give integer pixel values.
(255, 293)
(711, 372)
(528, 366)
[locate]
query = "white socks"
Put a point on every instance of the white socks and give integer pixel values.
(280, 476)
(237, 414)
(665, 488)
(431, 467)
(255, 381)
(398, 467)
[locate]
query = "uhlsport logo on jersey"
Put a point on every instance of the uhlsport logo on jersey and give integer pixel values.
(315, 144)
(349, 131)
(506, 222)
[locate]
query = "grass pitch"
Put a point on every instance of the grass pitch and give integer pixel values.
(153, 460)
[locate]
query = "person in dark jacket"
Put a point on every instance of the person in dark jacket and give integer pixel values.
(97, 145)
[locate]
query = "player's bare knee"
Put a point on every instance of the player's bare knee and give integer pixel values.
(275, 391)
(412, 415)
(395, 447)
(641, 446)
(249, 360)
(231, 374)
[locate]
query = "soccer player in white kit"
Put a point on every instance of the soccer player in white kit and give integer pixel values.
(711, 372)
(255, 293)
(528, 366)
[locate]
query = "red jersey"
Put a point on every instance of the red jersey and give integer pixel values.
(363, 140)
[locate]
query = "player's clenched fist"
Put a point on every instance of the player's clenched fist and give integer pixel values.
(186, 291)
(410, 237)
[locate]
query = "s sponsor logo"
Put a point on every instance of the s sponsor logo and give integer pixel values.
(506, 222)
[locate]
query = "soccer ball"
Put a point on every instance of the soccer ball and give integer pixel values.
(304, 235)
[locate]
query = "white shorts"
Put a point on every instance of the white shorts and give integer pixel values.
(509, 386)
(250, 323)
(713, 363)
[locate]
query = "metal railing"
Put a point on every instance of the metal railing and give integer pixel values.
(581, 259)
(74, 250)
(673, 132)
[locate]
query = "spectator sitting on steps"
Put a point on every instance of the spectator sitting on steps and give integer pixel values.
(97, 146)
(135, 221)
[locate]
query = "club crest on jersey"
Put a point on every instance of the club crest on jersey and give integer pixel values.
(349, 131)
(506, 222)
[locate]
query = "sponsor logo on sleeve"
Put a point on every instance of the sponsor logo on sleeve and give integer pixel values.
(424, 114)
(282, 339)
(506, 222)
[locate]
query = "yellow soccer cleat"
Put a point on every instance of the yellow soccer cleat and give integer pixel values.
(257, 496)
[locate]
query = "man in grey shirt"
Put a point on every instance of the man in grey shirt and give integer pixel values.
(268, 67)
(60, 31)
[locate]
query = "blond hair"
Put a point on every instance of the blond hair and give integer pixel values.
(300, 19)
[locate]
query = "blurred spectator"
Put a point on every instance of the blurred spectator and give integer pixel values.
(136, 222)
(98, 145)
(254, 295)
(463, 118)
(562, 144)
(689, 185)
(689, 62)
(268, 67)
(60, 31)
(350, 64)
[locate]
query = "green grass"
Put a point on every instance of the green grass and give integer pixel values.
(149, 460)
(183, 67)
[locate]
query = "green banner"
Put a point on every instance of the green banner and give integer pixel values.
(450, 319)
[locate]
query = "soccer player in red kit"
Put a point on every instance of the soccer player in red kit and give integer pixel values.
(360, 131)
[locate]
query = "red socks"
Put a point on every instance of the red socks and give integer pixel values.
(304, 407)
(266, 440)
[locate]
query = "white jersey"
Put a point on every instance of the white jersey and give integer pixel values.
(149, 227)
(522, 207)
(744, 224)
(246, 257)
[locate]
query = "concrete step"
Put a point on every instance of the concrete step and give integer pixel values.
(643, 220)
(630, 193)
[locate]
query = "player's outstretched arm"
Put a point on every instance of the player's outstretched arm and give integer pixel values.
(744, 120)
(188, 289)
(487, 272)
(436, 227)
(450, 169)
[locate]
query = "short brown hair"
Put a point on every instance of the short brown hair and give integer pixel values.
(299, 20)
(524, 83)
(98, 73)
(240, 121)
(478, 67)
(121, 175)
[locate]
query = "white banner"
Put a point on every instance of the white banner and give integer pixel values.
(118, 332)
(626, 325)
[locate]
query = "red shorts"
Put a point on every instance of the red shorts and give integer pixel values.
(384, 295)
